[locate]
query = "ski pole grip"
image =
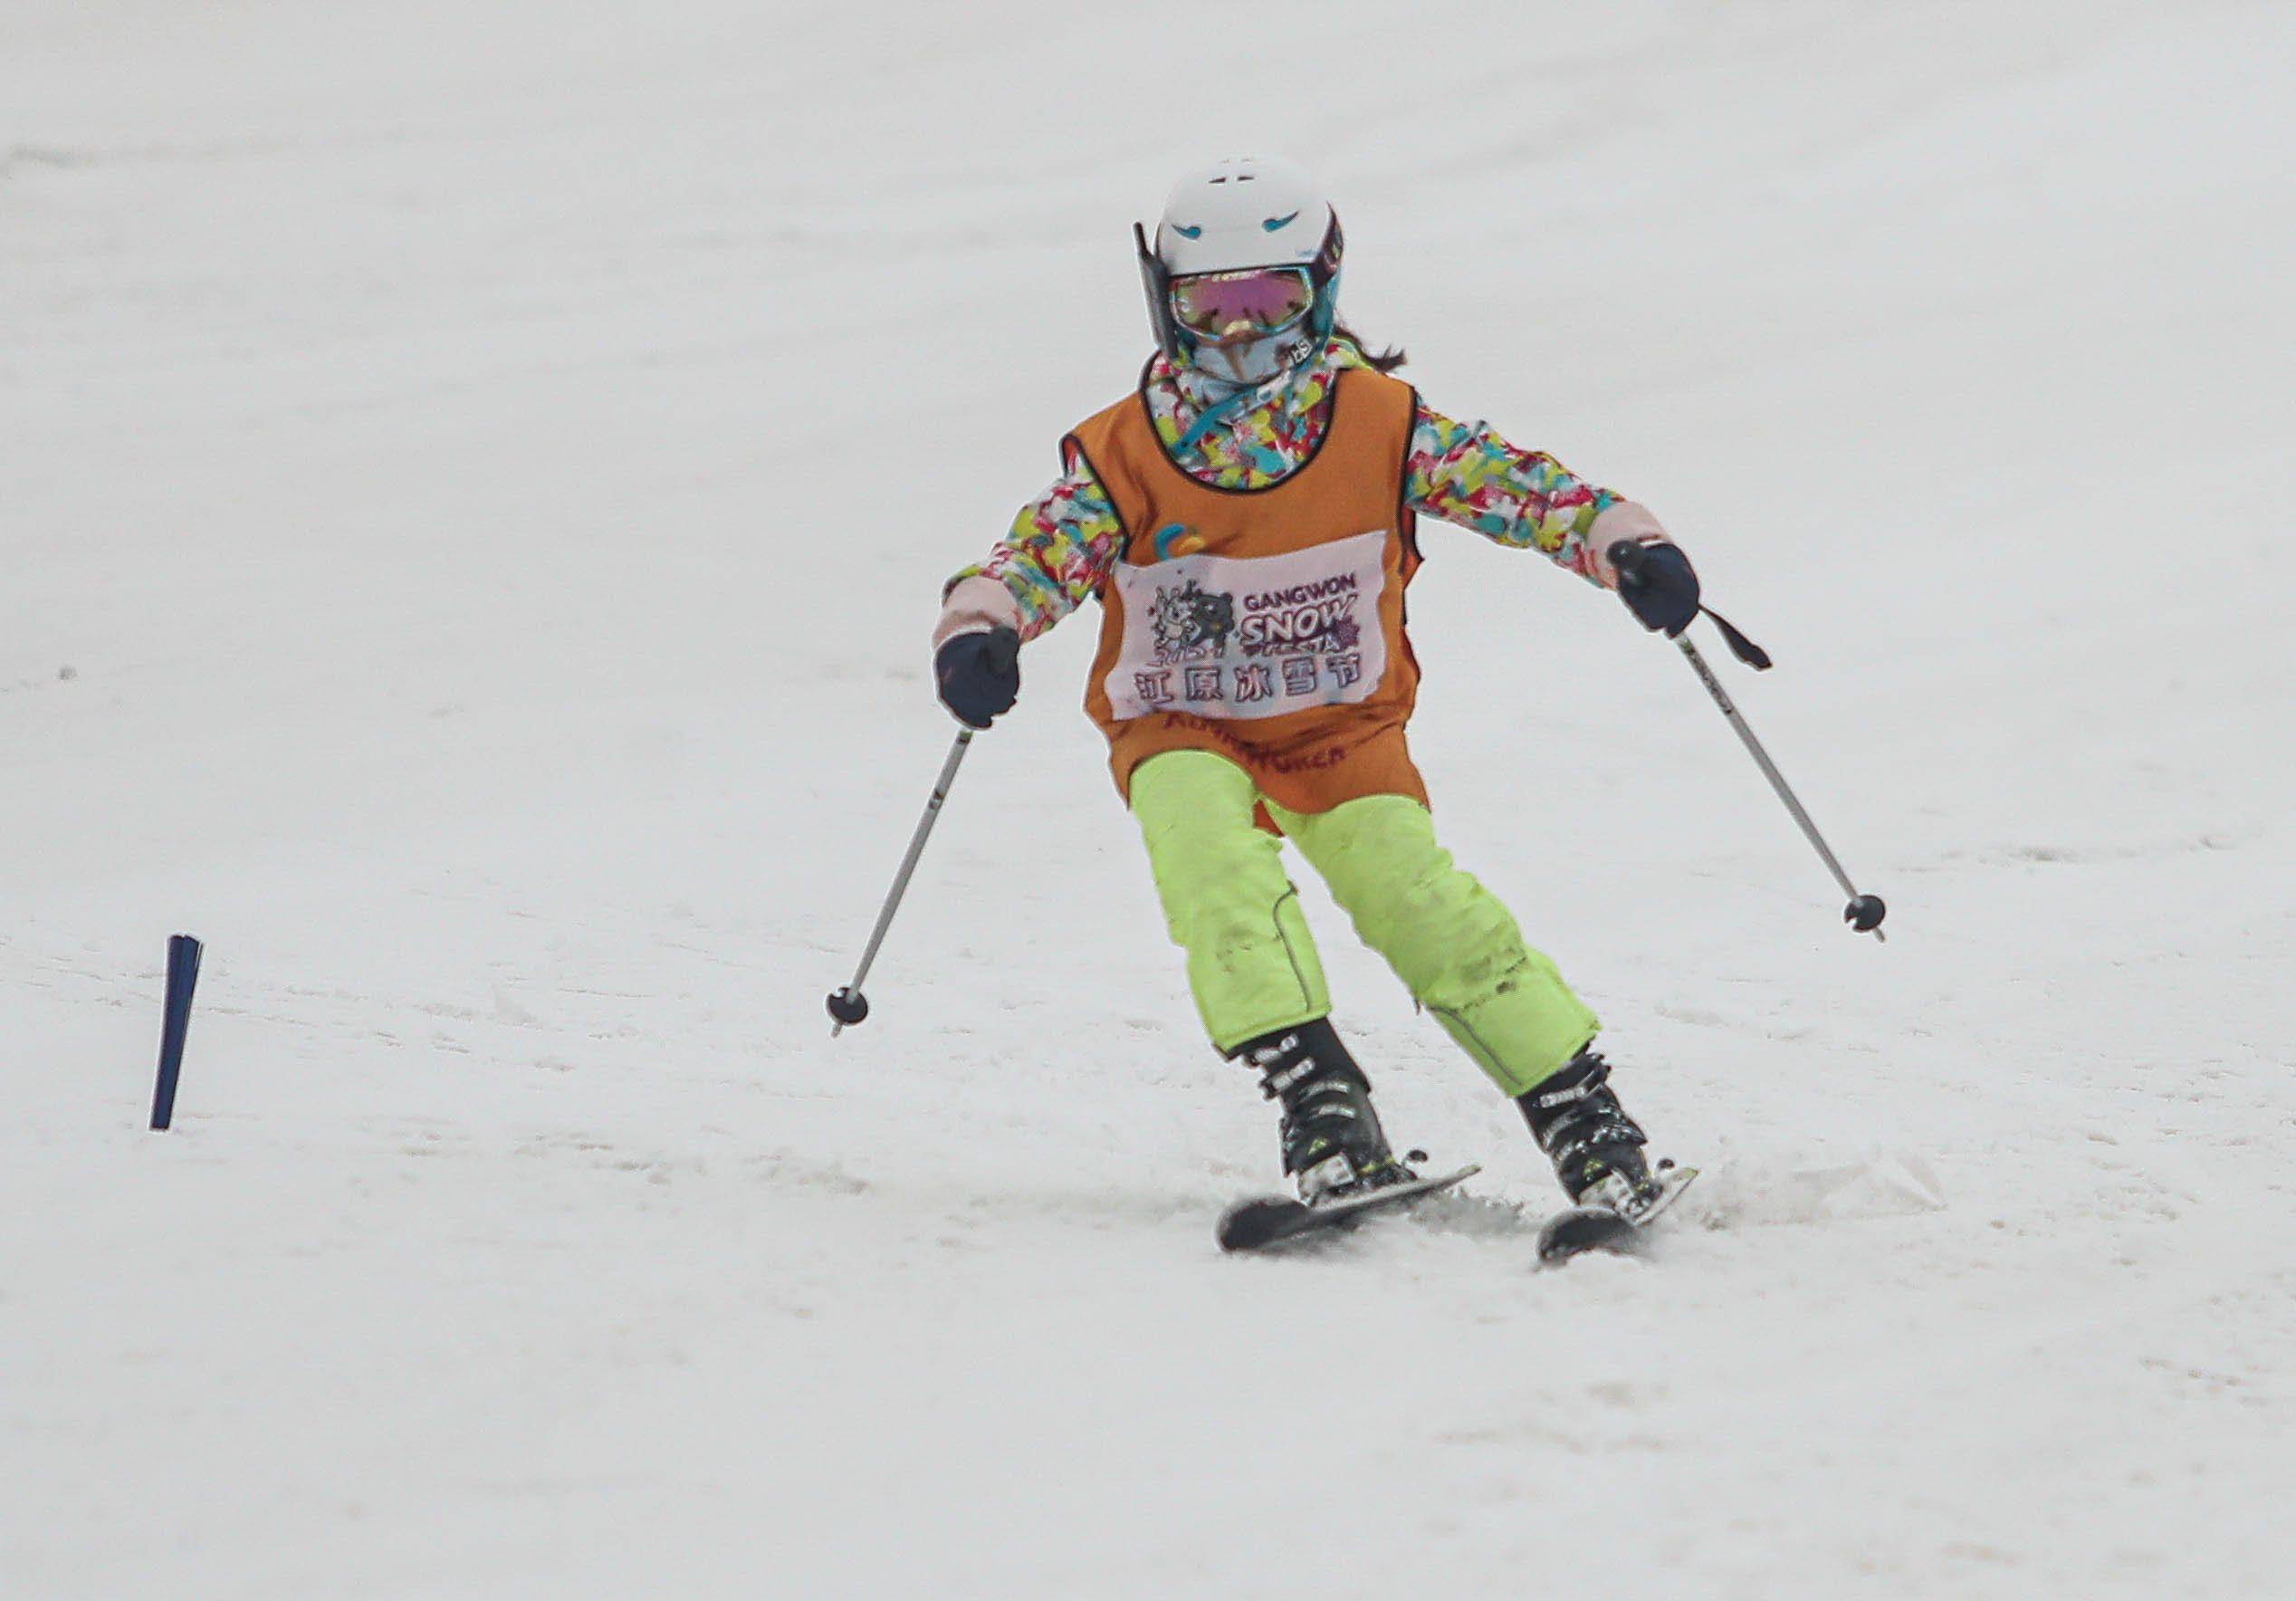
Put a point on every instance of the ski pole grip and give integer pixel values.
(1626, 559)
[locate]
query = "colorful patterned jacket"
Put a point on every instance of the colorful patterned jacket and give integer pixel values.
(1058, 552)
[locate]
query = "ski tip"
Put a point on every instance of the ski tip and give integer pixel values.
(1579, 1229)
(1582, 1229)
(1259, 1220)
(1265, 1220)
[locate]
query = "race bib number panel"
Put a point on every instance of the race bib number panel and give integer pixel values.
(1252, 637)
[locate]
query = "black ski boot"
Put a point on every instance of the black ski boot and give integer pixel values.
(1333, 1146)
(1596, 1148)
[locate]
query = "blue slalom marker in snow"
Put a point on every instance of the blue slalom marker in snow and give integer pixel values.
(182, 974)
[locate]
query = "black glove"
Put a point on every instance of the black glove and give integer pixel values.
(980, 675)
(1657, 584)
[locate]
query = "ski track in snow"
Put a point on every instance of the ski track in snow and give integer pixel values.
(457, 570)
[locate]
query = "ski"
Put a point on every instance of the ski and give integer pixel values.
(1263, 1221)
(1581, 1229)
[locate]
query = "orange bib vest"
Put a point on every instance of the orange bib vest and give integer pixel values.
(1263, 625)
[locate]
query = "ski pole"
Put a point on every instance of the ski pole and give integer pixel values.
(849, 1005)
(1865, 912)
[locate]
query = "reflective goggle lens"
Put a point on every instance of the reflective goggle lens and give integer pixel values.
(1224, 305)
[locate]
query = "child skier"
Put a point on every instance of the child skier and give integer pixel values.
(1246, 520)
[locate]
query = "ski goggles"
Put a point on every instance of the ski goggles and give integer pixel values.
(1231, 305)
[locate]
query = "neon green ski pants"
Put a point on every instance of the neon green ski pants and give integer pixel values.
(1252, 964)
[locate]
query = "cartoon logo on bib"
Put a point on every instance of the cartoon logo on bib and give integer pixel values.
(1191, 624)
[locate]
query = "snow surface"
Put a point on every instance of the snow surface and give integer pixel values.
(453, 567)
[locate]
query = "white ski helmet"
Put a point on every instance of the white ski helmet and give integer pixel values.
(1243, 279)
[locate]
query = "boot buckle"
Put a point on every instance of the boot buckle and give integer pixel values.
(1620, 1193)
(1334, 1171)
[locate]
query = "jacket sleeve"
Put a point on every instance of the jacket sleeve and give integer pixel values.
(1469, 474)
(1056, 556)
